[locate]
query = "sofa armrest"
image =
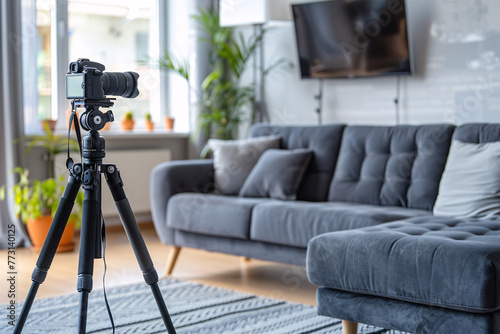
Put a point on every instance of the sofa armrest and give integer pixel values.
(173, 177)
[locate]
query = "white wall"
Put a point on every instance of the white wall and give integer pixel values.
(445, 87)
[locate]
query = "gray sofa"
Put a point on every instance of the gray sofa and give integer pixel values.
(364, 214)
(362, 219)
(359, 176)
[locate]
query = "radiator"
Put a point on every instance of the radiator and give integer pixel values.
(135, 168)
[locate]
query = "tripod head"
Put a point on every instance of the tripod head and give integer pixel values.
(92, 119)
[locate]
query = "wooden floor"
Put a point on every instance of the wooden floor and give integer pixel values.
(257, 277)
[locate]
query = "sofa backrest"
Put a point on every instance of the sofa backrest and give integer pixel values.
(393, 166)
(323, 140)
(477, 133)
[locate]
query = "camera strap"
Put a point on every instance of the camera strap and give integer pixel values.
(73, 119)
(103, 238)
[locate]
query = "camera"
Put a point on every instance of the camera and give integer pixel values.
(86, 80)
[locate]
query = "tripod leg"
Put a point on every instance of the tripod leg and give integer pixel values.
(136, 240)
(49, 247)
(90, 219)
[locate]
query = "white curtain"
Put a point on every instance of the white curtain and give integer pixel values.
(11, 114)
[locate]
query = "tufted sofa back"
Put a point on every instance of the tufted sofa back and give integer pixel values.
(392, 166)
(477, 133)
(323, 140)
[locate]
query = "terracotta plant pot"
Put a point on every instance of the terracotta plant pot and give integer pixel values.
(38, 229)
(150, 125)
(51, 122)
(169, 123)
(127, 124)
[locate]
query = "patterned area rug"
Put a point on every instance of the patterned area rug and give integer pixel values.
(195, 308)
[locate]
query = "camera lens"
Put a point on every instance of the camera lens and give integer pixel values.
(120, 84)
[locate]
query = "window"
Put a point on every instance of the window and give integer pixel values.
(117, 36)
(120, 34)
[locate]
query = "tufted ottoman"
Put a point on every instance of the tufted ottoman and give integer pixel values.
(424, 275)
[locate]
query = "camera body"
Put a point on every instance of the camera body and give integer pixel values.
(83, 81)
(86, 80)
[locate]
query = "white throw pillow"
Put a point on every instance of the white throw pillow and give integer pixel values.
(235, 159)
(470, 186)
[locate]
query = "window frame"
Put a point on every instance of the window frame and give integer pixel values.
(59, 59)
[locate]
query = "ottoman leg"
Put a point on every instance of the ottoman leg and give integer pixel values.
(349, 327)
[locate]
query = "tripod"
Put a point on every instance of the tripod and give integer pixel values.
(88, 175)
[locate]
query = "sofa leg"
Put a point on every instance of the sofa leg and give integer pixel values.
(173, 254)
(349, 327)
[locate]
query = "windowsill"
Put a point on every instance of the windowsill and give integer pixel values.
(142, 133)
(136, 133)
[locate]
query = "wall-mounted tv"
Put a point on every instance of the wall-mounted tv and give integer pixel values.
(352, 38)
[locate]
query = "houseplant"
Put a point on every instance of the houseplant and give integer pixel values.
(51, 123)
(36, 203)
(52, 143)
(148, 121)
(222, 96)
(181, 67)
(169, 122)
(127, 122)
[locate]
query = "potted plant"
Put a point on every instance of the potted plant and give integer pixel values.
(51, 123)
(148, 120)
(54, 144)
(222, 95)
(169, 123)
(36, 203)
(127, 122)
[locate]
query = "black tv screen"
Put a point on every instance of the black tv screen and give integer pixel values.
(352, 38)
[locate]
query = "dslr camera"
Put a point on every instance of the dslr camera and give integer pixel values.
(88, 86)
(87, 80)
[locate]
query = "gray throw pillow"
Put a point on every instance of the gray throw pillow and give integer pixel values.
(470, 186)
(277, 174)
(234, 160)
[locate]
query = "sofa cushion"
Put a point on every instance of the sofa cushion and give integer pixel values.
(324, 141)
(393, 166)
(470, 186)
(215, 215)
(294, 224)
(234, 160)
(439, 261)
(277, 174)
